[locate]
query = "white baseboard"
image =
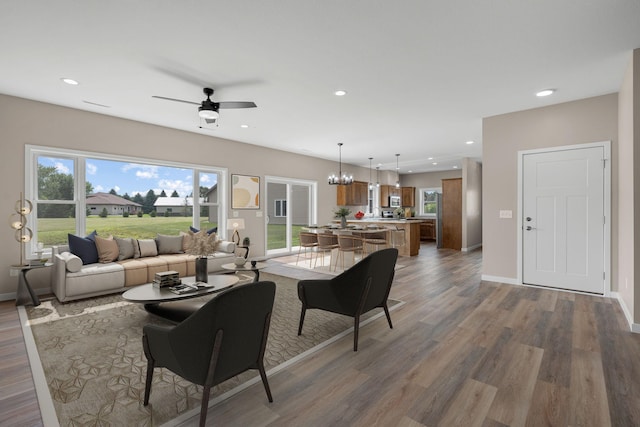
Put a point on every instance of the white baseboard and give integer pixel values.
(634, 327)
(470, 248)
(507, 280)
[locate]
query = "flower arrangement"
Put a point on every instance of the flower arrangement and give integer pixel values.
(202, 243)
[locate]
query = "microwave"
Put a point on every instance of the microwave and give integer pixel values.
(394, 201)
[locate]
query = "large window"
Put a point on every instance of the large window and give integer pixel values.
(74, 192)
(429, 201)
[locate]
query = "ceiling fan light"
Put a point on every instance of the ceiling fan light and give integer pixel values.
(208, 114)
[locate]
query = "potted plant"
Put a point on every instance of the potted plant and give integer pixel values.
(342, 213)
(202, 245)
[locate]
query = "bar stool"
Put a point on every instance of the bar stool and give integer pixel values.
(397, 236)
(308, 241)
(377, 240)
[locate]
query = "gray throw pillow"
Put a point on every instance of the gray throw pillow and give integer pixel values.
(169, 244)
(125, 248)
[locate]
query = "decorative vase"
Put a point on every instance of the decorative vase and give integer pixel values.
(343, 222)
(202, 274)
(239, 261)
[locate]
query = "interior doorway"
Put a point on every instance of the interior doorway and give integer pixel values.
(564, 218)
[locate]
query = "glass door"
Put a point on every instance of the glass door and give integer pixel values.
(291, 205)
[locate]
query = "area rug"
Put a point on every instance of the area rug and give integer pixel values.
(92, 359)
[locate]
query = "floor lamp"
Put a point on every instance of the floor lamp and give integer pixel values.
(18, 222)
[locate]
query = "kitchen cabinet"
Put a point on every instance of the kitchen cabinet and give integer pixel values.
(428, 229)
(452, 213)
(386, 191)
(356, 194)
(408, 197)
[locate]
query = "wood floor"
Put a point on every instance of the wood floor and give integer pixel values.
(462, 353)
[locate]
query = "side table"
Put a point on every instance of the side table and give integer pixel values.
(25, 293)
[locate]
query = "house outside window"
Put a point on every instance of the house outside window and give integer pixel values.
(75, 193)
(280, 208)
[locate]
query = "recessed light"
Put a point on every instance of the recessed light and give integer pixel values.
(430, 158)
(244, 126)
(455, 167)
(70, 81)
(434, 163)
(340, 93)
(470, 142)
(545, 92)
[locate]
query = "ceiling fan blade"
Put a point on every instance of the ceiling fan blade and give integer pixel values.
(239, 104)
(173, 99)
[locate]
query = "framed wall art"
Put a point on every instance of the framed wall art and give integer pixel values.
(245, 192)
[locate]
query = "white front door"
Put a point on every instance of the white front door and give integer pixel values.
(563, 214)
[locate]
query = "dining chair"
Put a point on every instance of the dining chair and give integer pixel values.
(397, 236)
(327, 242)
(308, 241)
(348, 243)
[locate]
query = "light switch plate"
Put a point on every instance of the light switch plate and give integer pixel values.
(506, 214)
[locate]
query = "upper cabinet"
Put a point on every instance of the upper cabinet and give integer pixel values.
(408, 197)
(356, 194)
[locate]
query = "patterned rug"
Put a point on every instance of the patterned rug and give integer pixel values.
(92, 358)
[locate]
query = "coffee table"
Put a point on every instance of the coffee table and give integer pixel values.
(246, 267)
(164, 303)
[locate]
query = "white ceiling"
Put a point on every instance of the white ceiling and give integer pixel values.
(420, 74)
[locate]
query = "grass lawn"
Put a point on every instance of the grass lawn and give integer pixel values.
(53, 231)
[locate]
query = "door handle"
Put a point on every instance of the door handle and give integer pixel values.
(528, 218)
(529, 228)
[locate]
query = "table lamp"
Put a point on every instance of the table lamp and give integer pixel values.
(235, 225)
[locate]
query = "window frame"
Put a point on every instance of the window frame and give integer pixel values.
(422, 201)
(79, 158)
(277, 207)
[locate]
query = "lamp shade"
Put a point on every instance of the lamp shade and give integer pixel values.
(235, 224)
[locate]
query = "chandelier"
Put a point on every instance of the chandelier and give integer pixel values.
(397, 172)
(340, 179)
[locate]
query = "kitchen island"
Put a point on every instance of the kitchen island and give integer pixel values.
(411, 228)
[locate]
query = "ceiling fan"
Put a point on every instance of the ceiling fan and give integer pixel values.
(208, 109)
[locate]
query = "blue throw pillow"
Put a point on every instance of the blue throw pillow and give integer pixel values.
(84, 247)
(209, 231)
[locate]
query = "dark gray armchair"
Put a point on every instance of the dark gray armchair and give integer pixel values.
(354, 292)
(225, 337)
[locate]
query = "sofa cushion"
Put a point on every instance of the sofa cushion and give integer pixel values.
(135, 272)
(125, 248)
(147, 247)
(84, 247)
(94, 279)
(209, 231)
(169, 244)
(107, 249)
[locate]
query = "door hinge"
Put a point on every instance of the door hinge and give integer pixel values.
(604, 277)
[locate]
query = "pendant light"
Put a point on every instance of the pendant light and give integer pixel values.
(370, 182)
(341, 179)
(378, 176)
(397, 172)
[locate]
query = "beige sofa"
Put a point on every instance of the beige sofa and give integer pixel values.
(72, 280)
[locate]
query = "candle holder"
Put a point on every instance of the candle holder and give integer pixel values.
(18, 222)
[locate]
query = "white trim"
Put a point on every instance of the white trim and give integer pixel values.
(498, 279)
(470, 248)
(45, 403)
(606, 146)
(634, 327)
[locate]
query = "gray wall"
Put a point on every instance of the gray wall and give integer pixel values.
(29, 122)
